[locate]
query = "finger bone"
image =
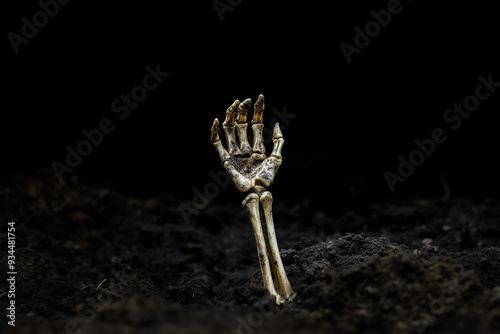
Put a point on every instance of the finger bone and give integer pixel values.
(242, 111)
(258, 110)
(258, 145)
(278, 142)
(222, 151)
(217, 143)
(245, 147)
(230, 113)
(232, 144)
(215, 131)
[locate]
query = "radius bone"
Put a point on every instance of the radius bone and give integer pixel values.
(284, 287)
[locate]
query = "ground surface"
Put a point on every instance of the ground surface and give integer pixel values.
(94, 260)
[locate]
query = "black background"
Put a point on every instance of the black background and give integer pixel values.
(352, 120)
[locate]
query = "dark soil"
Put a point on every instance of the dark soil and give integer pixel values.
(91, 260)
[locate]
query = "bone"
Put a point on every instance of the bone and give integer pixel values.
(256, 157)
(268, 170)
(242, 183)
(217, 143)
(284, 287)
(215, 131)
(278, 142)
(232, 144)
(258, 110)
(241, 126)
(228, 127)
(258, 145)
(230, 113)
(257, 125)
(245, 147)
(251, 203)
(242, 111)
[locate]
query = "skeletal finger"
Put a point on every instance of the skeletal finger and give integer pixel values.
(241, 126)
(278, 142)
(228, 126)
(215, 131)
(258, 110)
(230, 113)
(217, 143)
(242, 111)
(258, 126)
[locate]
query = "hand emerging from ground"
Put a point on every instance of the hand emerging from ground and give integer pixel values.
(248, 167)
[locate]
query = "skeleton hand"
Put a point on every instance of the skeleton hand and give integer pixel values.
(251, 171)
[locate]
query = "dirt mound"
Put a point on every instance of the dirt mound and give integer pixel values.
(94, 260)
